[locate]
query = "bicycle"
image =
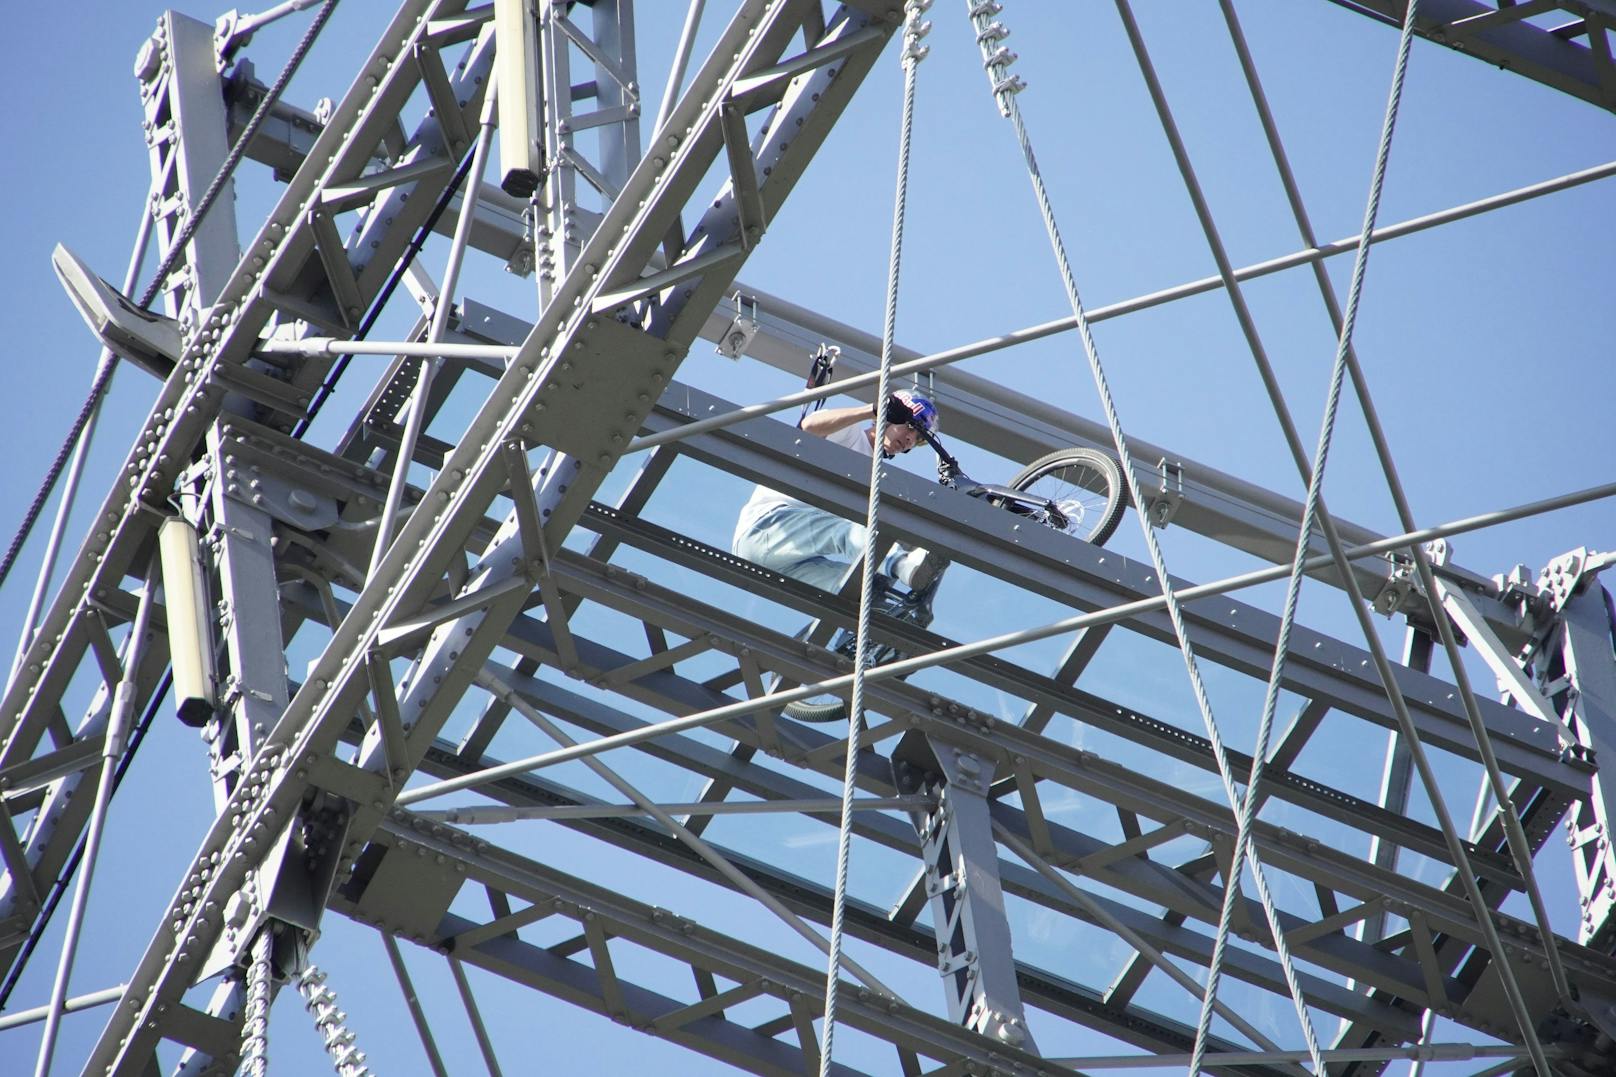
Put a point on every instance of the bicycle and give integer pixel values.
(1076, 491)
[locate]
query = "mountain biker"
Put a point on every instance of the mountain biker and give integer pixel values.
(814, 546)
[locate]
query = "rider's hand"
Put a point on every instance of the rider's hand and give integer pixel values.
(898, 413)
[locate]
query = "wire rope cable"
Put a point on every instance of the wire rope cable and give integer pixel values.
(1310, 513)
(176, 249)
(1005, 88)
(913, 52)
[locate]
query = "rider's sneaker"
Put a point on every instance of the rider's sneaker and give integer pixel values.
(916, 569)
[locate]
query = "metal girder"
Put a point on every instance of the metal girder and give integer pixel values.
(650, 681)
(1512, 35)
(1051, 695)
(1208, 501)
(186, 129)
(630, 290)
(500, 949)
(769, 784)
(589, 408)
(1085, 772)
(1117, 1018)
(1021, 428)
(961, 858)
(1086, 577)
(214, 363)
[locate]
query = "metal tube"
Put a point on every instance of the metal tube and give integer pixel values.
(681, 60)
(906, 666)
(190, 617)
(123, 705)
(81, 451)
(1131, 306)
(1520, 848)
(252, 23)
(477, 1027)
(440, 318)
(1132, 938)
(1437, 1052)
(414, 1004)
(505, 814)
(409, 349)
(717, 860)
(72, 1005)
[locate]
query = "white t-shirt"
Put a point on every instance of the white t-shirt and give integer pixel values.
(764, 498)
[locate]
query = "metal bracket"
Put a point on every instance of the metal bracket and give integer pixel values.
(1169, 493)
(1566, 574)
(1402, 582)
(742, 328)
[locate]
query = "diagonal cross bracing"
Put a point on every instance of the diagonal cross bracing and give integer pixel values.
(583, 422)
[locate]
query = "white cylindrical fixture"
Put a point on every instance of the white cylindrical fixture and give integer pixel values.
(185, 598)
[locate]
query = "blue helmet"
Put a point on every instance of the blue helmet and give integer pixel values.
(924, 411)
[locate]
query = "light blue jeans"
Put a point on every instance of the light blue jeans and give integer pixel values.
(805, 543)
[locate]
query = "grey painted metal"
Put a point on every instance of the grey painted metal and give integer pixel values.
(186, 130)
(1432, 1052)
(1087, 578)
(117, 737)
(681, 62)
(607, 105)
(631, 923)
(75, 468)
(253, 691)
(332, 687)
(974, 951)
(767, 782)
(469, 1000)
(1578, 671)
(1174, 812)
(321, 508)
(417, 1015)
(1221, 506)
(481, 815)
(1115, 783)
(86, 1001)
(409, 349)
(1396, 781)
(719, 863)
(1497, 31)
(421, 392)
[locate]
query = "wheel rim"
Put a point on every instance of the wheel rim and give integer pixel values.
(1080, 491)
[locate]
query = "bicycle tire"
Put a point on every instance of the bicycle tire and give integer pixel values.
(1087, 479)
(808, 710)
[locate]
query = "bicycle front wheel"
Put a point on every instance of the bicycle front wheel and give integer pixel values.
(1085, 484)
(817, 709)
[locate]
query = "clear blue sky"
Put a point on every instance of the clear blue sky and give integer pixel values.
(1487, 344)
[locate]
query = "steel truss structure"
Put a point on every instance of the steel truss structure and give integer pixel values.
(376, 618)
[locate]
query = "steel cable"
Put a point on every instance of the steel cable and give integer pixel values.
(996, 60)
(1310, 512)
(913, 53)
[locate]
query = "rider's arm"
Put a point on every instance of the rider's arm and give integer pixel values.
(827, 421)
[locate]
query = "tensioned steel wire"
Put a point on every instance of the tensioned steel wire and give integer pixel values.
(913, 52)
(1312, 508)
(175, 252)
(1519, 846)
(996, 60)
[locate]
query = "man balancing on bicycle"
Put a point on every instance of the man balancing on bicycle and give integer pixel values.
(814, 546)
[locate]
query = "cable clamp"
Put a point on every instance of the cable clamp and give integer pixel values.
(742, 328)
(1000, 57)
(1169, 494)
